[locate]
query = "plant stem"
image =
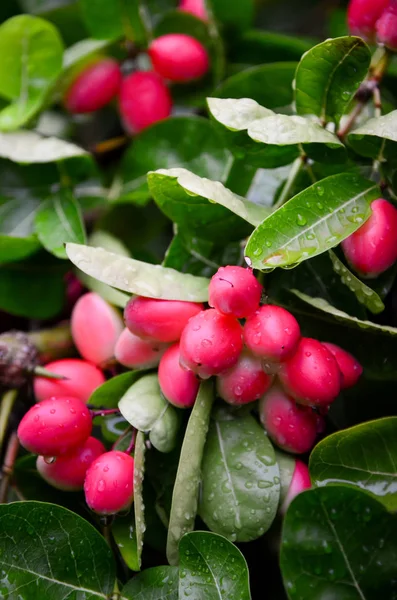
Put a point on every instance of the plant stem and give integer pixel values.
(7, 404)
(53, 343)
(104, 413)
(8, 465)
(286, 191)
(42, 372)
(131, 445)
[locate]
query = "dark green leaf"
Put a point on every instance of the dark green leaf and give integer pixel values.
(33, 288)
(339, 315)
(110, 392)
(59, 220)
(139, 508)
(49, 552)
(30, 62)
(256, 47)
(113, 426)
(124, 533)
(269, 85)
(240, 481)
(376, 138)
(212, 568)
(236, 16)
(366, 295)
(157, 583)
(110, 20)
(312, 222)
(338, 542)
(329, 75)
(190, 142)
(30, 147)
(364, 456)
(286, 464)
(187, 481)
(137, 277)
(146, 409)
(16, 248)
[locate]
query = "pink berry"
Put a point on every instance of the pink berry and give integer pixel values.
(245, 382)
(235, 291)
(178, 57)
(96, 327)
(290, 426)
(178, 385)
(159, 320)
(372, 249)
(211, 343)
(362, 16)
(349, 366)
(299, 483)
(82, 379)
(109, 483)
(312, 375)
(94, 87)
(386, 26)
(272, 333)
(55, 426)
(194, 7)
(68, 472)
(135, 353)
(144, 100)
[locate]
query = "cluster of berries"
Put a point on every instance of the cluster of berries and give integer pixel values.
(374, 20)
(143, 96)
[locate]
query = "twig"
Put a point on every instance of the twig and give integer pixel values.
(8, 465)
(286, 191)
(7, 404)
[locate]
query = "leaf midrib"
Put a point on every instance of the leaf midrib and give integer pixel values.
(227, 470)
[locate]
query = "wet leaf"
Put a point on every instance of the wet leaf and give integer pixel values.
(30, 147)
(139, 507)
(124, 533)
(377, 137)
(109, 393)
(157, 583)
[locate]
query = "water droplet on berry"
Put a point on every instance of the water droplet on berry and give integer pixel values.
(101, 485)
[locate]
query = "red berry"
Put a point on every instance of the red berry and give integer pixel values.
(362, 16)
(349, 366)
(159, 320)
(235, 291)
(245, 382)
(178, 57)
(372, 249)
(82, 379)
(272, 333)
(94, 87)
(299, 483)
(312, 375)
(194, 7)
(144, 100)
(109, 483)
(68, 472)
(211, 343)
(135, 353)
(290, 426)
(96, 327)
(55, 426)
(178, 385)
(386, 26)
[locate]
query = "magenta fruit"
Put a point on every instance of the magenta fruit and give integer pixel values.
(349, 366)
(178, 385)
(386, 26)
(362, 16)
(235, 291)
(94, 87)
(272, 333)
(178, 57)
(109, 483)
(194, 7)
(82, 379)
(299, 483)
(245, 382)
(133, 352)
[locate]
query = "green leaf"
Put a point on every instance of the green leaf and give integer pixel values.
(376, 137)
(139, 508)
(157, 583)
(113, 426)
(163, 182)
(324, 306)
(366, 295)
(124, 534)
(146, 409)
(270, 85)
(17, 239)
(31, 147)
(81, 51)
(136, 277)
(190, 142)
(212, 568)
(240, 481)
(187, 481)
(59, 220)
(109, 393)
(256, 47)
(312, 222)
(110, 20)
(30, 61)
(237, 115)
(364, 456)
(33, 288)
(49, 552)
(236, 16)
(286, 464)
(329, 75)
(339, 542)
